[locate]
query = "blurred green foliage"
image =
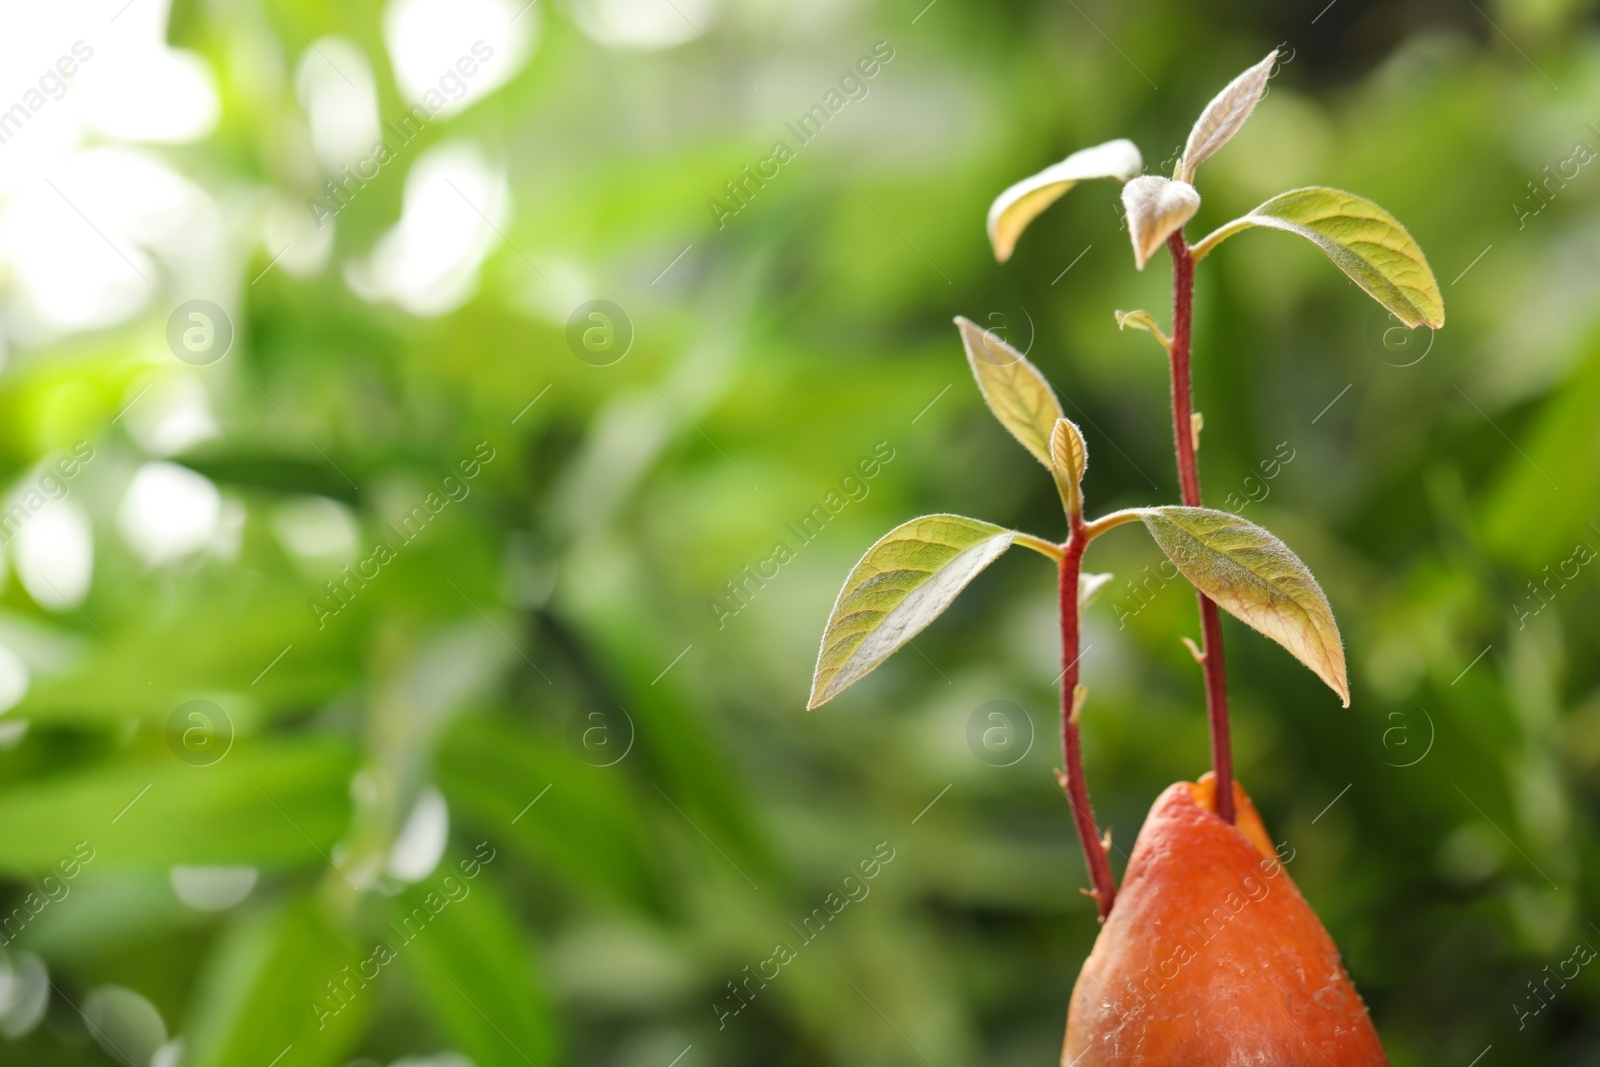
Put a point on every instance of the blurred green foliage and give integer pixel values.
(1444, 826)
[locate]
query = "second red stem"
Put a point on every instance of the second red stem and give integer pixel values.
(1072, 780)
(1211, 660)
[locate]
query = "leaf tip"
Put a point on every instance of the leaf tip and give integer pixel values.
(1256, 578)
(932, 558)
(1224, 115)
(820, 693)
(1019, 204)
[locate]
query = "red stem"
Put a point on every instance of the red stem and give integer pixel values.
(1072, 780)
(1211, 658)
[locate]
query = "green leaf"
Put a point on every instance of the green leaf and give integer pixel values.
(1023, 202)
(1223, 117)
(902, 584)
(262, 991)
(1362, 239)
(1526, 521)
(1156, 208)
(211, 650)
(586, 828)
(1255, 577)
(270, 804)
(471, 966)
(1015, 391)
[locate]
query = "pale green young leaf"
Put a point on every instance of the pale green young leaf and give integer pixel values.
(1255, 577)
(902, 584)
(1362, 239)
(1156, 207)
(1023, 202)
(1143, 320)
(1070, 457)
(1015, 391)
(1223, 117)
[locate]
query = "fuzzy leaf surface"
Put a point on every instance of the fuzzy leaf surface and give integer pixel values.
(1156, 207)
(1223, 117)
(1256, 578)
(1023, 202)
(902, 584)
(1362, 239)
(1020, 397)
(1068, 451)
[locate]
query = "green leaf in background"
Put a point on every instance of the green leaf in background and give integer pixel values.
(472, 967)
(902, 584)
(585, 826)
(1023, 202)
(215, 648)
(1362, 239)
(677, 735)
(1223, 117)
(1554, 473)
(1157, 208)
(1020, 397)
(1255, 577)
(266, 804)
(265, 992)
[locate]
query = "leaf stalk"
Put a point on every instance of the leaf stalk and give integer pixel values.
(1040, 545)
(1094, 529)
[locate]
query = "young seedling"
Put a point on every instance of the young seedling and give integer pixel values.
(915, 571)
(1361, 238)
(1189, 852)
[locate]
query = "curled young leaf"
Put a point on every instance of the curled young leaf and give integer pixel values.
(1156, 207)
(1015, 391)
(1019, 205)
(1071, 457)
(902, 584)
(1255, 577)
(1068, 450)
(1222, 117)
(1362, 239)
(1143, 320)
